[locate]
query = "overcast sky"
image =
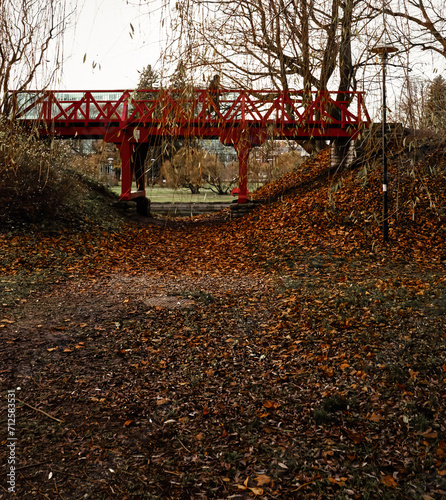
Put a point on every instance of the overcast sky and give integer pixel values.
(101, 31)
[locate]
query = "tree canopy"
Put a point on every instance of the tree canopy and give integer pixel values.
(29, 29)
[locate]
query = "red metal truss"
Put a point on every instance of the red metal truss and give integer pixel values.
(241, 118)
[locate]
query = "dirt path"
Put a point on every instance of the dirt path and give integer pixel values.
(200, 386)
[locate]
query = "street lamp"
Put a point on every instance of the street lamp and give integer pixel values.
(384, 52)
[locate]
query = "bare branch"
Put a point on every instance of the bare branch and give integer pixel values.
(30, 29)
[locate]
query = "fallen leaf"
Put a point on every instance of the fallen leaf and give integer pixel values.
(428, 434)
(262, 415)
(271, 404)
(262, 479)
(256, 491)
(354, 436)
(338, 481)
(389, 481)
(374, 417)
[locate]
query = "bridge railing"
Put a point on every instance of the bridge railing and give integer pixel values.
(173, 108)
(77, 106)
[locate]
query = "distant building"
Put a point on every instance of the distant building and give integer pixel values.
(77, 96)
(226, 154)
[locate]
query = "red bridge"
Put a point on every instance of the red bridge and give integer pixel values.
(240, 118)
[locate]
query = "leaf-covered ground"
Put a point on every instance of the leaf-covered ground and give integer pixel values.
(288, 353)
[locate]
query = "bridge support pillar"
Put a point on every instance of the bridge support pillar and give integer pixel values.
(243, 149)
(138, 164)
(126, 150)
(243, 140)
(342, 153)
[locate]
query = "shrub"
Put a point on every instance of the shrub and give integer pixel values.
(34, 179)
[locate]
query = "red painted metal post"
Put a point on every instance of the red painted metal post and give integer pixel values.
(126, 150)
(46, 108)
(87, 107)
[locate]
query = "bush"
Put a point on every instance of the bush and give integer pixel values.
(34, 179)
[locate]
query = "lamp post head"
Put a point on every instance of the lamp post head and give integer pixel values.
(384, 50)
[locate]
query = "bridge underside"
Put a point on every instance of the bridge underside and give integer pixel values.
(241, 119)
(243, 139)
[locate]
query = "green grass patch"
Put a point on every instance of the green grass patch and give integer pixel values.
(159, 194)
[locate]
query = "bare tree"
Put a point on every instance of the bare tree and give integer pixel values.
(29, 31)
(185, 169)
(219, 178)
(419, 24)
(411, 105)
(416, 28)
(295, 43)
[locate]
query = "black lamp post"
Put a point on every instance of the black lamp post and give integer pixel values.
(384, 52)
